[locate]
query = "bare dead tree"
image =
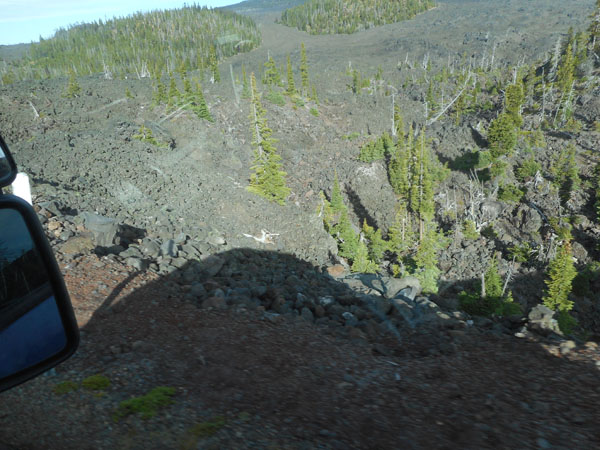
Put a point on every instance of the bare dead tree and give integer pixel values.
(508, 275)
(444, 109)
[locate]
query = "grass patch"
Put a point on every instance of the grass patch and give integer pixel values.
(147, 405)
(352, 136)
(65, 387)
(202, 430)
(95, 383)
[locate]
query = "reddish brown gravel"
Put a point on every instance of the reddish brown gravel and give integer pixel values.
(245, 379)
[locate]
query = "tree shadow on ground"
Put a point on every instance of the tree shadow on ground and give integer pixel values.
(359, 209)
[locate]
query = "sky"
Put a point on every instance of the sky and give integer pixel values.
(27, 20)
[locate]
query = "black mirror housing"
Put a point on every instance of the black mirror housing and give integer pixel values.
(8, 168)
(38, 329)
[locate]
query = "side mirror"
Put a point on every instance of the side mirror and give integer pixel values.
(8, 168)
(37, 325)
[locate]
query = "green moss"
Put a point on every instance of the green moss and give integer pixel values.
(202, 430)
(95, 383)
(146, 405)
(65, 387)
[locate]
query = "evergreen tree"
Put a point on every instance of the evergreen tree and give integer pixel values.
(337, 201)
(597, 191)
(594, 32)
(198, 104)
(245, 85)
(314, 97)
(187, 88)
(492, 280)
(566, 70)
(160, 92)
(400, 234)
(513, 101)
(272, 76)
(173, 96)
(304, 70)
(362, 263)
(565, 172)
(426, 258)
(400, 163)
(73, 88)
(213, 63)
(291, 85)
(377, 245)
(268, 180)
(502, 135)
(560, 274)
(347, 237)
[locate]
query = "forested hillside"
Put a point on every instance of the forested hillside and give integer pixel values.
(349, 16)
(139, 44)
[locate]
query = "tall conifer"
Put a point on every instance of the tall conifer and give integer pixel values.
(268, 180)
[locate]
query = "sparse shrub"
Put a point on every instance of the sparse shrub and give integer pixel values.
(527, 169)
(145, 135)
(469, 230)
(510, 193)
(275, 97)
(352, 136)
(520, 253)
(582, 283)
(314, 112)
(375, 150)
(146, 405)
(96, 383)
(494, 302)
(597, 126)
(128, 93)
(573, 125)
(489, 232)
(566, 322)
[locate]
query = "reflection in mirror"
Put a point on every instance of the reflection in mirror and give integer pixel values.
(5, 169)
(31, 329)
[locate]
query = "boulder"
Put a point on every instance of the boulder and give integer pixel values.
(78, 244)
(103, 228)
(169, 248)
(408, 287)
(542, 320)
(527, 219)
(212, 264)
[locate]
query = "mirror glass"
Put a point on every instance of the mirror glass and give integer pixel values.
(6, 170)
(31, 328)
